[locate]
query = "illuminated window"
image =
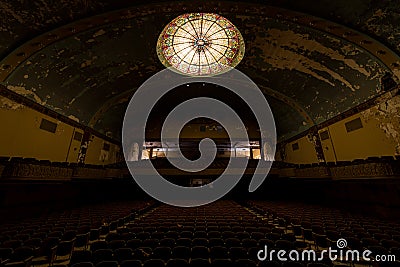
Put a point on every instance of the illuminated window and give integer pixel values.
(243, 152)
(256, 153)
(145, 154)
(159, 153)
(200, 44)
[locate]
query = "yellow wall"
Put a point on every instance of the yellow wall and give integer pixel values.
(96, 155)
(304, 155)
(22, 137)
(380, 136)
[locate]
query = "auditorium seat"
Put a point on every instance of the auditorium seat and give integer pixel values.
(102, 255)
(100, 244)
(154, 263)
(64, 248)
(69, 235)
(284, 245)
(199, 262)
(128, 235)
(143, 253)
(16, 264)
(213, 242)
(368, 242)
(222, 263)
(270, 264)
(181, 252)
(143, 235)
(131, 263)
(388, 243)
(134, 243)
(236, 253)
(177, 263)
(116, 244)
(94, 234)
(107, 264)
(83, 264)
(187, 242)
(292, 264)
(163, 253)
(5, 253)
(167, 242)
(157, 235)
(82, 240)
(47, 251)
(151, 243)
(22, 254)
(199, 252)
(200, 242)
(378, 250)
(320, 240)
(218, 252)
(232, 242)
(395, 251)
(123, 254)
(11, 244)
(317, 265)
(112, 236)
(245, 263)
(78, 256)
(248, 242)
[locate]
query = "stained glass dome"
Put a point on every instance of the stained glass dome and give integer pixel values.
(200, 44)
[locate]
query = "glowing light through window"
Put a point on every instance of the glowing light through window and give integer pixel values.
(200, 44)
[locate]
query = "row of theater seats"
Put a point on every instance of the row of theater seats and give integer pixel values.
(323, 226)
(372, 167)
(388, 159)
(110, 235)
(6, 160)
(163, 163)
(30, 168)
(43, 239)
(220, 234)
(223, 233)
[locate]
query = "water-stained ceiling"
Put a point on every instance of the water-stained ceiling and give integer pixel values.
(309, 69)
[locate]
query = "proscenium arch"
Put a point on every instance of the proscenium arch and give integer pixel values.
(143, 102)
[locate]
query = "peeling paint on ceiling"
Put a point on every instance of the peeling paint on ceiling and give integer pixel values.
(78, 75)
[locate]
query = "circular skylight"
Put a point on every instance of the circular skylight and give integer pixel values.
(200, 44)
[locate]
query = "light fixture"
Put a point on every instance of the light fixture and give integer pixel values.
(200, 44)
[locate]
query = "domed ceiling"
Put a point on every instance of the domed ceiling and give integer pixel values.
(309, 69)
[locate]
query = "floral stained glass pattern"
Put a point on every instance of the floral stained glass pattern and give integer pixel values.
(200, 44)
